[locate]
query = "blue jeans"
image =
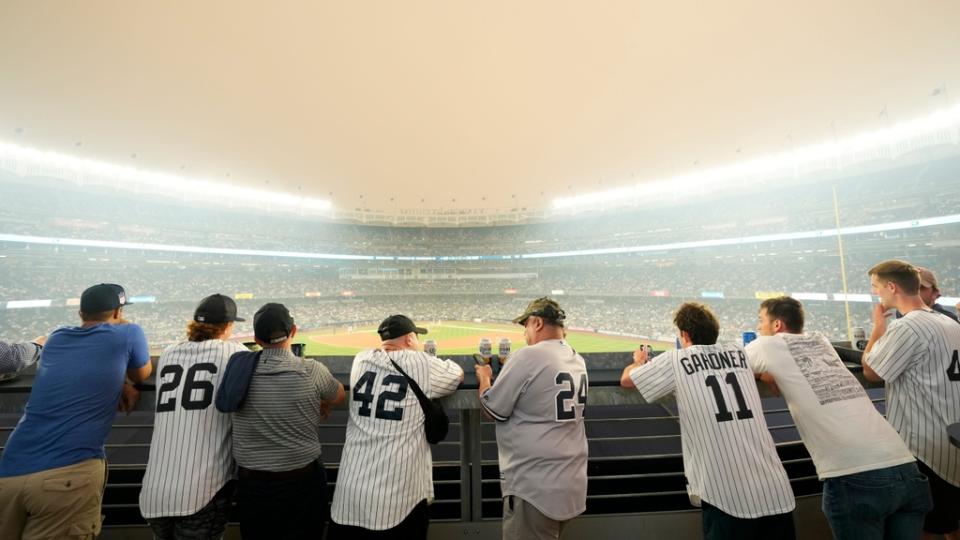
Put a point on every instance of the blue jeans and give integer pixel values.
(719, 525)
(883, 504)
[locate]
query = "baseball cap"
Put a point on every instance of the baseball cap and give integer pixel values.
(103, 297)
(270, 321)
(395, 326)
(542, 307)
(216, 309)
(927, 278)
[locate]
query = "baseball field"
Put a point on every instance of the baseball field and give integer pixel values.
(458, 337)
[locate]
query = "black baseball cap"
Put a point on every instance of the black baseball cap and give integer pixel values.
(545, 308)
(270, 321)
(395, 326)
(216, 309)
(103, 297)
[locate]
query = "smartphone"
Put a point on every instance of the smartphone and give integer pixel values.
(298, 349)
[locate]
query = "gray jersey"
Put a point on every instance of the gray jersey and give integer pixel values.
(538, 401)
(386, 467)
(728, 455)
(919, 360)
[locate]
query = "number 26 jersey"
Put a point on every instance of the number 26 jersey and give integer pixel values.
(729, 458)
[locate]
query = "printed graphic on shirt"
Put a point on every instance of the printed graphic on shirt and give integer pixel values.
(816, 360)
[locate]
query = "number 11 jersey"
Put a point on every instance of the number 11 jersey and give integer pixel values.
(386, 467)
(729, 458)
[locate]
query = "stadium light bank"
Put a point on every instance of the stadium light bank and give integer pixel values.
(717, 242)
(22, 161)
(939, 127)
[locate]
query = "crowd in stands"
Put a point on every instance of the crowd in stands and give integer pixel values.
(644, 316)
(900, 193)
(616, 292)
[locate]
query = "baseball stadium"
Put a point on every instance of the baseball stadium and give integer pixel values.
(529, 186)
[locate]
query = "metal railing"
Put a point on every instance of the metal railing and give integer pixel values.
(635, 454)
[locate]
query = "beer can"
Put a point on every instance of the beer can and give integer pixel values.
(859, 338)
(503, 349)
(430, 347)
(486, 349)
(749, 336)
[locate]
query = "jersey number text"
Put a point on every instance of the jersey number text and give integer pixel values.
(566, 410)
(953, 372)
(166, 403)
(363, 392)
(724, 415)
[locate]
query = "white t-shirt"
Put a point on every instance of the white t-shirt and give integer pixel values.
(729, 457)
(838, 423)
(919, 360)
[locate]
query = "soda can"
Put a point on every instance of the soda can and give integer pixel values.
(859, 338)
(486, 349)
(749, 336)
(430, 347)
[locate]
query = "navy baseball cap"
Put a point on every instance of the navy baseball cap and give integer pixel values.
(216, 309)
(272, 323)
(395, 326)
(103, 297)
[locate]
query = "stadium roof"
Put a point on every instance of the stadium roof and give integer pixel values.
(400, 106)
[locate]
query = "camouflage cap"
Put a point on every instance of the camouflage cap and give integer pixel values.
(545, 308)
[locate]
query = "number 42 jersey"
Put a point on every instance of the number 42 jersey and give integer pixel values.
(386, 467)
(729, 458)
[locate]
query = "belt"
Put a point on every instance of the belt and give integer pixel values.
(243, 472)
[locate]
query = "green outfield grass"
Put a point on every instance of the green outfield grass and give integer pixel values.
(457, 337)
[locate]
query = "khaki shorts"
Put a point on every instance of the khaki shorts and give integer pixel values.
(522, 521)
(56, 503)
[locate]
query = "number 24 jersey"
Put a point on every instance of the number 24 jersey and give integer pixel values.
(538, 402)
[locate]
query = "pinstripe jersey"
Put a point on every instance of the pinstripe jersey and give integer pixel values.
(190, 457)
(918, 359)
(729, 458)
(386, 468)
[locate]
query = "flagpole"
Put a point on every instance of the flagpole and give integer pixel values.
(843, 268)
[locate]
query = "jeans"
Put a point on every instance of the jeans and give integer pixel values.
(207, 523)
(880, 504)
(719, 525)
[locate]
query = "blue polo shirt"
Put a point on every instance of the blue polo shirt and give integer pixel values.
(74, 397)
